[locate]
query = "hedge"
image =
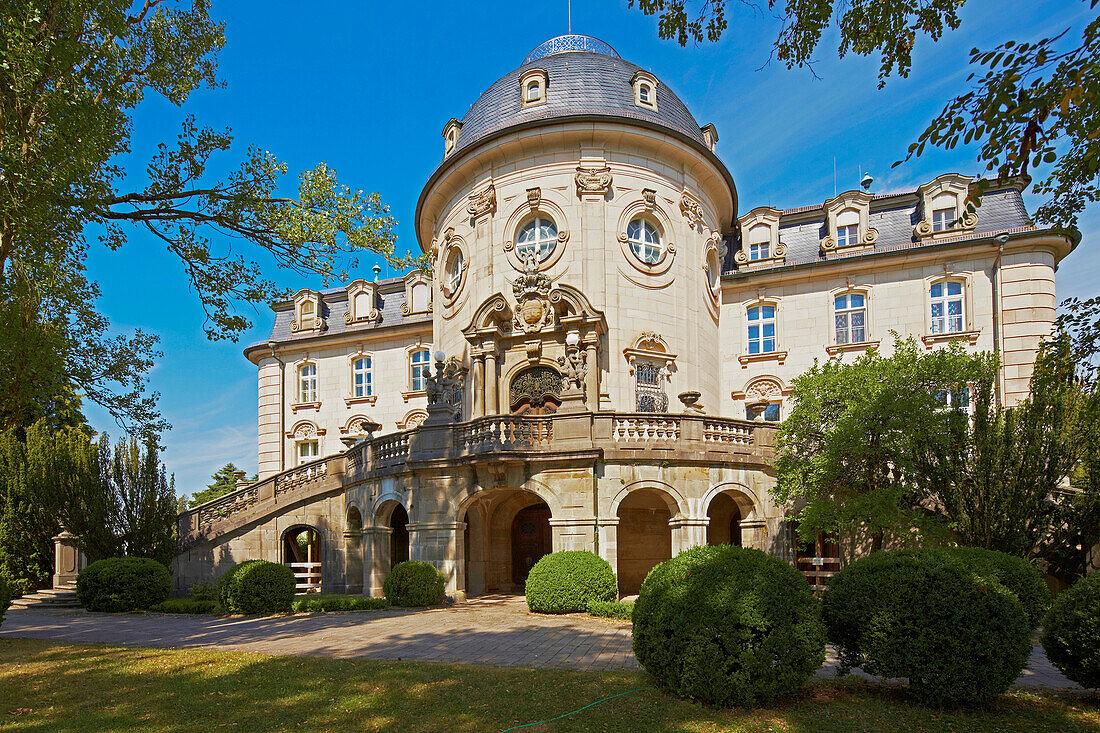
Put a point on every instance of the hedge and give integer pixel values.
(1014, 573)
(317, 602)
(257, 587)
(123, 584)
(1071, 632)
(955, 634)
(414, 583)
(203, 591)
(185, 605)
(5, 598)
(728, 626)
(565, 582)
(611, 609)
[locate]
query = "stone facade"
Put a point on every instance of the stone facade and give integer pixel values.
(605, 342)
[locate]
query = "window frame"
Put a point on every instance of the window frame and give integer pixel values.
(634, 243)
(762, 322)
(418, 365)
(945, 299)
(536, 223)
(306, 396)
(848, 311)
(300, 444)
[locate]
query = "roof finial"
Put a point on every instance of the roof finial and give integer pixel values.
(569, 16)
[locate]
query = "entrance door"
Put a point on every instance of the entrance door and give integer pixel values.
(531, 539)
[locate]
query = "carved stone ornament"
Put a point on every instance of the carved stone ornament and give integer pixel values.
(923, 228)
(534, 197)
(691, 209)
(764, 389)
(444, 386)
(649, 197)
(532, 292)
(483, 202)
(778, 252)
(593, 180)
(317, 324)
(828, 244)
(574, 368)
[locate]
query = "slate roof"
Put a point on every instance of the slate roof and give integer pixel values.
(578, 83)
(894, 215)
(334, 304)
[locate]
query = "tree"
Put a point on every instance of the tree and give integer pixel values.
(846, 452)
(144, 500)
(1036, 106)
(224, 481)
(73, 73)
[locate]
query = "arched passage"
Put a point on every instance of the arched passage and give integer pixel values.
(644, 536)
(733, 517)
(725, 521)
(302, 552)
(507, 531)
(399, 535)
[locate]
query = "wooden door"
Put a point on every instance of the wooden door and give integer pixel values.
(531, 539)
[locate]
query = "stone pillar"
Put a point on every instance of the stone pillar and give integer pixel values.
(441, 544)
(353, 561)
(377, 540)
(688, 532)
(608, 533)
(573, 534)
(754, 533)
(592, 376)
(492, 405)
(68, 560)
(479, 385)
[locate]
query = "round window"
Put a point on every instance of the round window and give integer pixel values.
(537, 237)
(645, 241)
(453, 273)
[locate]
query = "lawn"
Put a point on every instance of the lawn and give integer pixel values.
(45, 686)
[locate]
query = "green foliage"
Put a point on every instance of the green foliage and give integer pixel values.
(611, 609)
(123, 584)
(414, 583)
(257, 587)
(728, 626)
(5, 598)
(955, 635)
(1071, 632)
(203, 591)
(320, 602)
(1015, 573)
(224, 482)
(565, 582)
(186, 606)
(848, 451)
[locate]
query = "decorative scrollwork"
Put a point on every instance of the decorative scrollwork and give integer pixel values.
(482, 202)
(593, 180)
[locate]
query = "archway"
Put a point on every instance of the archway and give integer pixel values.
(507, 531)
(302, 553)
(725, 521)
(399, 535)
(644, 537)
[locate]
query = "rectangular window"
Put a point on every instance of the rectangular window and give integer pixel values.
(768, 412)
(307, 451)
(307, 383)
(418, 364)
(361, 380)
(941, 219)
(850, 314)
(948, 309)
(847, 235)
(761, 329)
(760, 251)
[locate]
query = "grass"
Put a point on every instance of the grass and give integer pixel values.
(611, 609)
(45, 686)
(315, 602)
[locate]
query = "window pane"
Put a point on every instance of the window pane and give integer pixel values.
(754, 332)
(769, 329)
(769, 312)
(842, 301)
(771, 412)
(937, 290)
(857, 301)
(754, 314)
(954, 288)
(937, 310)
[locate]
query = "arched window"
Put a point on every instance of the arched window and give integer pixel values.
(533, 91)
(538, 236)
(307, 383)
(948, 307)
(645, 241)
(418, 363)
(850, 317)
(761, 329)
(361, 377)
(760, 238)
(643, 93)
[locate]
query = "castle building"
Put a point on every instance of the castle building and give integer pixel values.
(603, 348)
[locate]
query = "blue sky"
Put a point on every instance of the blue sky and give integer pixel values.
(367, 88)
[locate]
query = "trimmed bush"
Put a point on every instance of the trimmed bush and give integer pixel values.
(258, 587)
(564, 582)
(611, 609)
(226, 581)
(728, 626)
(1014, 573)
(203, 591)
(414, 583)
(1071, 632)
(5, 598)
(956, 635)
(123, 584)
(318, 602)
(185, 605)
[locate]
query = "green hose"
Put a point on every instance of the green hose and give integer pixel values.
(566, 715)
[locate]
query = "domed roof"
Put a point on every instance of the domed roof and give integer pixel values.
(585, 77)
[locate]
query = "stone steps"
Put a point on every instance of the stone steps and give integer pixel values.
(61, 597)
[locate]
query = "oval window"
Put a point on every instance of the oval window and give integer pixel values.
(538, 237)
(645, 241)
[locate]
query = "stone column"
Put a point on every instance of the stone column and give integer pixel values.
(688, 532)
(479, 385)
(754, 533)
(68, 560)
(592, 376)
(608, 532)
(377, 539)
(492, 405)
(441, 544)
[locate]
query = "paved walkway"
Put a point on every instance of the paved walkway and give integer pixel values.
(490, 630)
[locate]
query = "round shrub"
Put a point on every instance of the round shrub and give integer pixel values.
(1015, 573)
(956, 635)
(225, 584)
(5, 598)
(259, 586)
(123, 584)
(728, 626)
(1071, 632)
(414, 583)
(564, 582)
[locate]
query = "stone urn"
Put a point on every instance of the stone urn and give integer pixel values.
(690, 400)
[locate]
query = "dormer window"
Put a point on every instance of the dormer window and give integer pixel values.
(418, 294)
(450, 136)
(760, 237)
(847, 228)
(847, 222)
(710, 135)
(362, 302)
(645, 89)
(532, 84)
(760, 242)
(942, 206)
(307, 312)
